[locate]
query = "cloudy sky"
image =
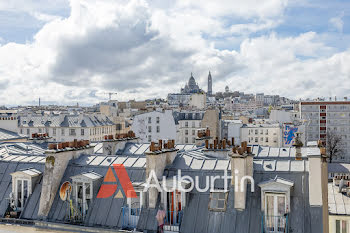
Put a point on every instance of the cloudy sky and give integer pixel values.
(68, 51)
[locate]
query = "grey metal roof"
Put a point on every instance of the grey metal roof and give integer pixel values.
(6, 135)
(265, 152)
(32, 204)
(180, 116)
(62, 120)
(338, 203)
(107, 212)
(338, 168)
(22, 148)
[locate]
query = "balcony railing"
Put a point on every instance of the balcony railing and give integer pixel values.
(130, 217)
(274, 224)
(173, 221)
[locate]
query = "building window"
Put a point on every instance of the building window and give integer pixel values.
(82, 192)
(193, 132)
(341, 226)
(256, 139)
(266, 139)
(186, 139)
(186, 123)
(54, 131)
(158, 128)
(275, 209)
(40, 130)
(28, 131)
(21, 131)
(22, 192)
(82, 132)
(149, 129)
(193, 124)
(256, 131)
(72, 132)
(173, 202)
(149, 138)
(193, 140)
(157, 120)
(186, 132)
(62, 132)
(218, 201)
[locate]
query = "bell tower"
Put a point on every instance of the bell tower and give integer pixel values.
(210, 85)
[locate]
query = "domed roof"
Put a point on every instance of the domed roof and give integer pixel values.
(192, 82)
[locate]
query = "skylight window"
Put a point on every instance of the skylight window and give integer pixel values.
(218, 201)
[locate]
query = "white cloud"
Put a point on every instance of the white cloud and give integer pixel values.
(143, 50)
(337, 22)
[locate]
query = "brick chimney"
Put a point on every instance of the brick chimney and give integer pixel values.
(241, 166)
(220, 148)
(57, 159)
(112, 144)
(203, 135)
(157, 158)
(40, 138)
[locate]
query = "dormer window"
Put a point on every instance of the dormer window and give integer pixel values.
(23, 183)
(84, 186)
(275, 203)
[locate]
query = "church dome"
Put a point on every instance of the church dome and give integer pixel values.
(192, 83)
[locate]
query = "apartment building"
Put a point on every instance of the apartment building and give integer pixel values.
(327, 116)
(262, 134)
(155, 125)
(187, 125)
(65, 127)
(240, 106)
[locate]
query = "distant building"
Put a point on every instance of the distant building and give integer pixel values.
(210, 85)
(322, 117)
(184, 97)
(155, 125)
(262, 134)
(198, 100)
(178, 98)
(259, 97)
(9, 120)
(64, 127)
(187, 125)
(191, 86)
(281, 116)
(231, 129)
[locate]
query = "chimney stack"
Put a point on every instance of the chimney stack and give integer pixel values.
(57, 159)
(157, 158)
(241, 166)
(318, 185)
(112, 144)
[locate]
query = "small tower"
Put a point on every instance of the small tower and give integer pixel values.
(210, 85)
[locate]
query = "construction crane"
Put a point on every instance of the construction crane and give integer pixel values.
(110, 94)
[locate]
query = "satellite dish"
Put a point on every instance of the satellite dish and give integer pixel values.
(65, 190)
